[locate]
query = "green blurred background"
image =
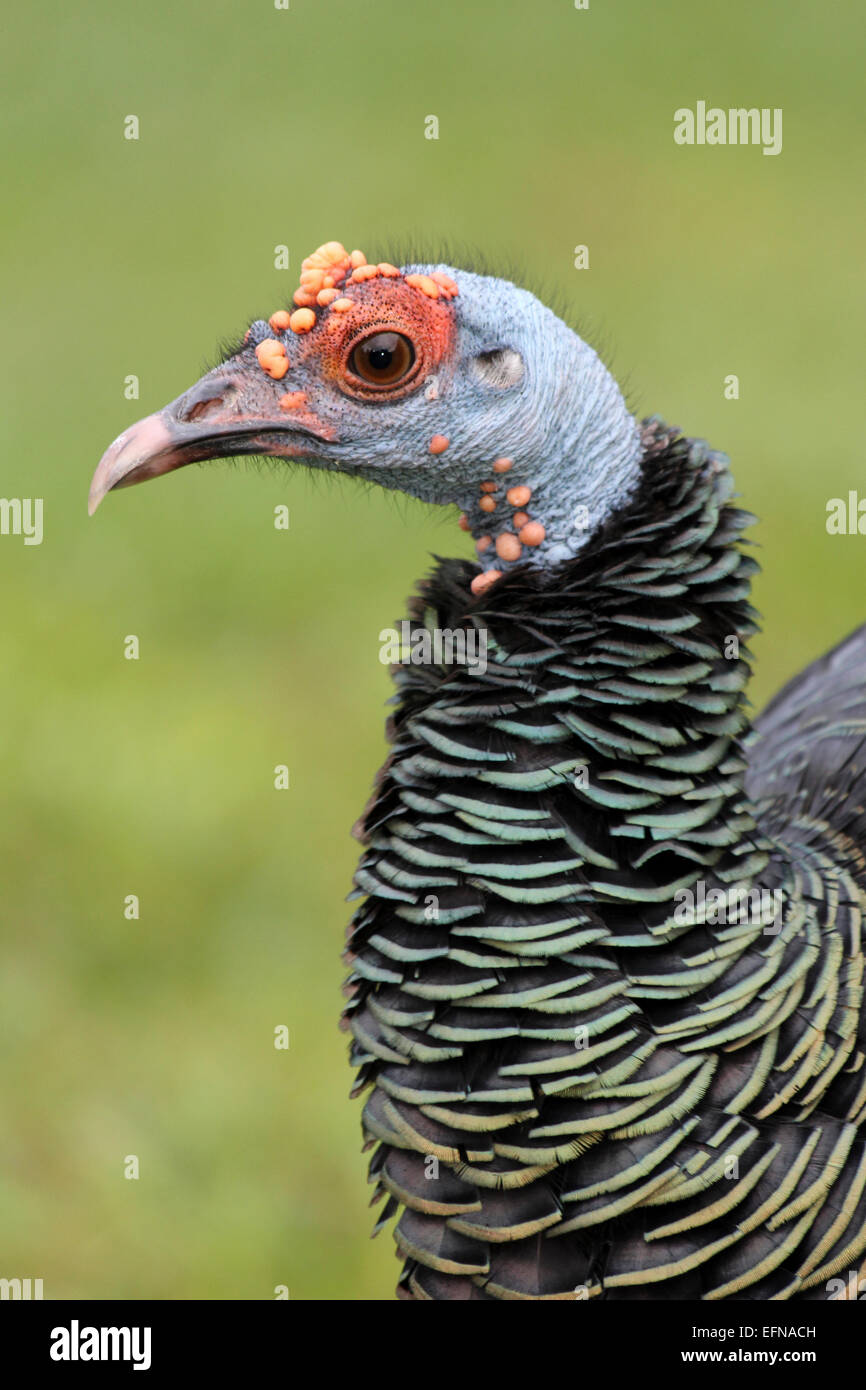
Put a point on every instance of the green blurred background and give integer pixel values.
(155, 777)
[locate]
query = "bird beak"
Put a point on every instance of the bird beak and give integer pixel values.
(233, 410)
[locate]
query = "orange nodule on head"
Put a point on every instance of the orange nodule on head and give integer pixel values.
(447, 286)
(302, 320)
(325, 267)
(331, 257)
(425, 283)
(483, 543)
(520, 519)
(271, 356)
(463, 522)
(533, 533)
(487, 503)
(508, 547)
(276, 367)
(439, 443)
(502, 465)
(483, 581)
(519, 496)
(330, 266)
(293, 400)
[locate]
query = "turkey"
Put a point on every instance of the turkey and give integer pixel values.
(605, 1000)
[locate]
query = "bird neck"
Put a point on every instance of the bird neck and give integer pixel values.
(566, 471)
(611, 706)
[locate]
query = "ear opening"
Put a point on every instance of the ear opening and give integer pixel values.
(501, 367)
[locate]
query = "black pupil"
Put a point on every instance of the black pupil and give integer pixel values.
(383, 358)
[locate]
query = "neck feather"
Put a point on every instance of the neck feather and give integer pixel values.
(640, 643)
(610, 711)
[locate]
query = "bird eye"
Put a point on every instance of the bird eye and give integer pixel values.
(383, 359)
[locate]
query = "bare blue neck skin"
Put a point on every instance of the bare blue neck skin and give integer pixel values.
(562, 421)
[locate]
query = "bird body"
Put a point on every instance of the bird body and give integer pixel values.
(605, 997)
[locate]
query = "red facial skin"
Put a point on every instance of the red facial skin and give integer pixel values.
(379, 306)
(236, 408)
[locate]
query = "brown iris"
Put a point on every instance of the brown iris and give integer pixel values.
(383, 359)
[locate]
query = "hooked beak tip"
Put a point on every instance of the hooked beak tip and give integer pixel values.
(95, 496)
(142, 451)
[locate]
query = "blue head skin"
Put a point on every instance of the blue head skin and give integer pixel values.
(420, 380)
